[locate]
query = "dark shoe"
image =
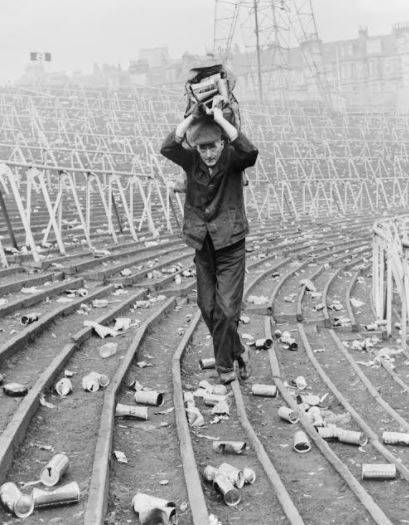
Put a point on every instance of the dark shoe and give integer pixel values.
(227, 377)
(244, 371)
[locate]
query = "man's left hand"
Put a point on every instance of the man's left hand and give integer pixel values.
(217, 114)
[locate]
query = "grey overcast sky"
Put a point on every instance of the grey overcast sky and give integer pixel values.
(81, 32)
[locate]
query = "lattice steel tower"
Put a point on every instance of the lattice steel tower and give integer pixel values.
(274, 46)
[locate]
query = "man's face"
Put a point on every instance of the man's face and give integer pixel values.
(210, 152)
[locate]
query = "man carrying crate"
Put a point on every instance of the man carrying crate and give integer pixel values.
(215, 225)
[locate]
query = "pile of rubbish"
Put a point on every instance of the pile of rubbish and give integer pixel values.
(23, 504)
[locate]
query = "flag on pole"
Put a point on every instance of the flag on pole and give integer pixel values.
(35, 56)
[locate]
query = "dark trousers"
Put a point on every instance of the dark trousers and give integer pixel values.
(220, 284)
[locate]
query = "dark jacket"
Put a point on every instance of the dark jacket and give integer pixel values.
(214, 203)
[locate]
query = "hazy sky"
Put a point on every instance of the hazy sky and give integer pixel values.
(81, 32)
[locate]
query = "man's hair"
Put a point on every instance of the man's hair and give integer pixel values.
(204, 132)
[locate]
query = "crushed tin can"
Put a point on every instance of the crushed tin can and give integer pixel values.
(145, 505)
(131, 412)
(314, 415)
(55, 469)
(194, 416)
(29, 318)
(64, 495)
(232, 473)
(264, 390)
(13, 500)
(300, 383)
(231, 495)
(301, 442)
(94, 381)
(288, 415)
(378, 471)
(249, 476)
(15, 389)
(222, 408)
(263, 344)
(213, 399)
(108, 350)
(149, 397)
(219, 390)
(351, 437)
(208, 362)
(395, 438)
(229, 447)
(122, 323)
(63, 387)
(310, 399)
(209, 473)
